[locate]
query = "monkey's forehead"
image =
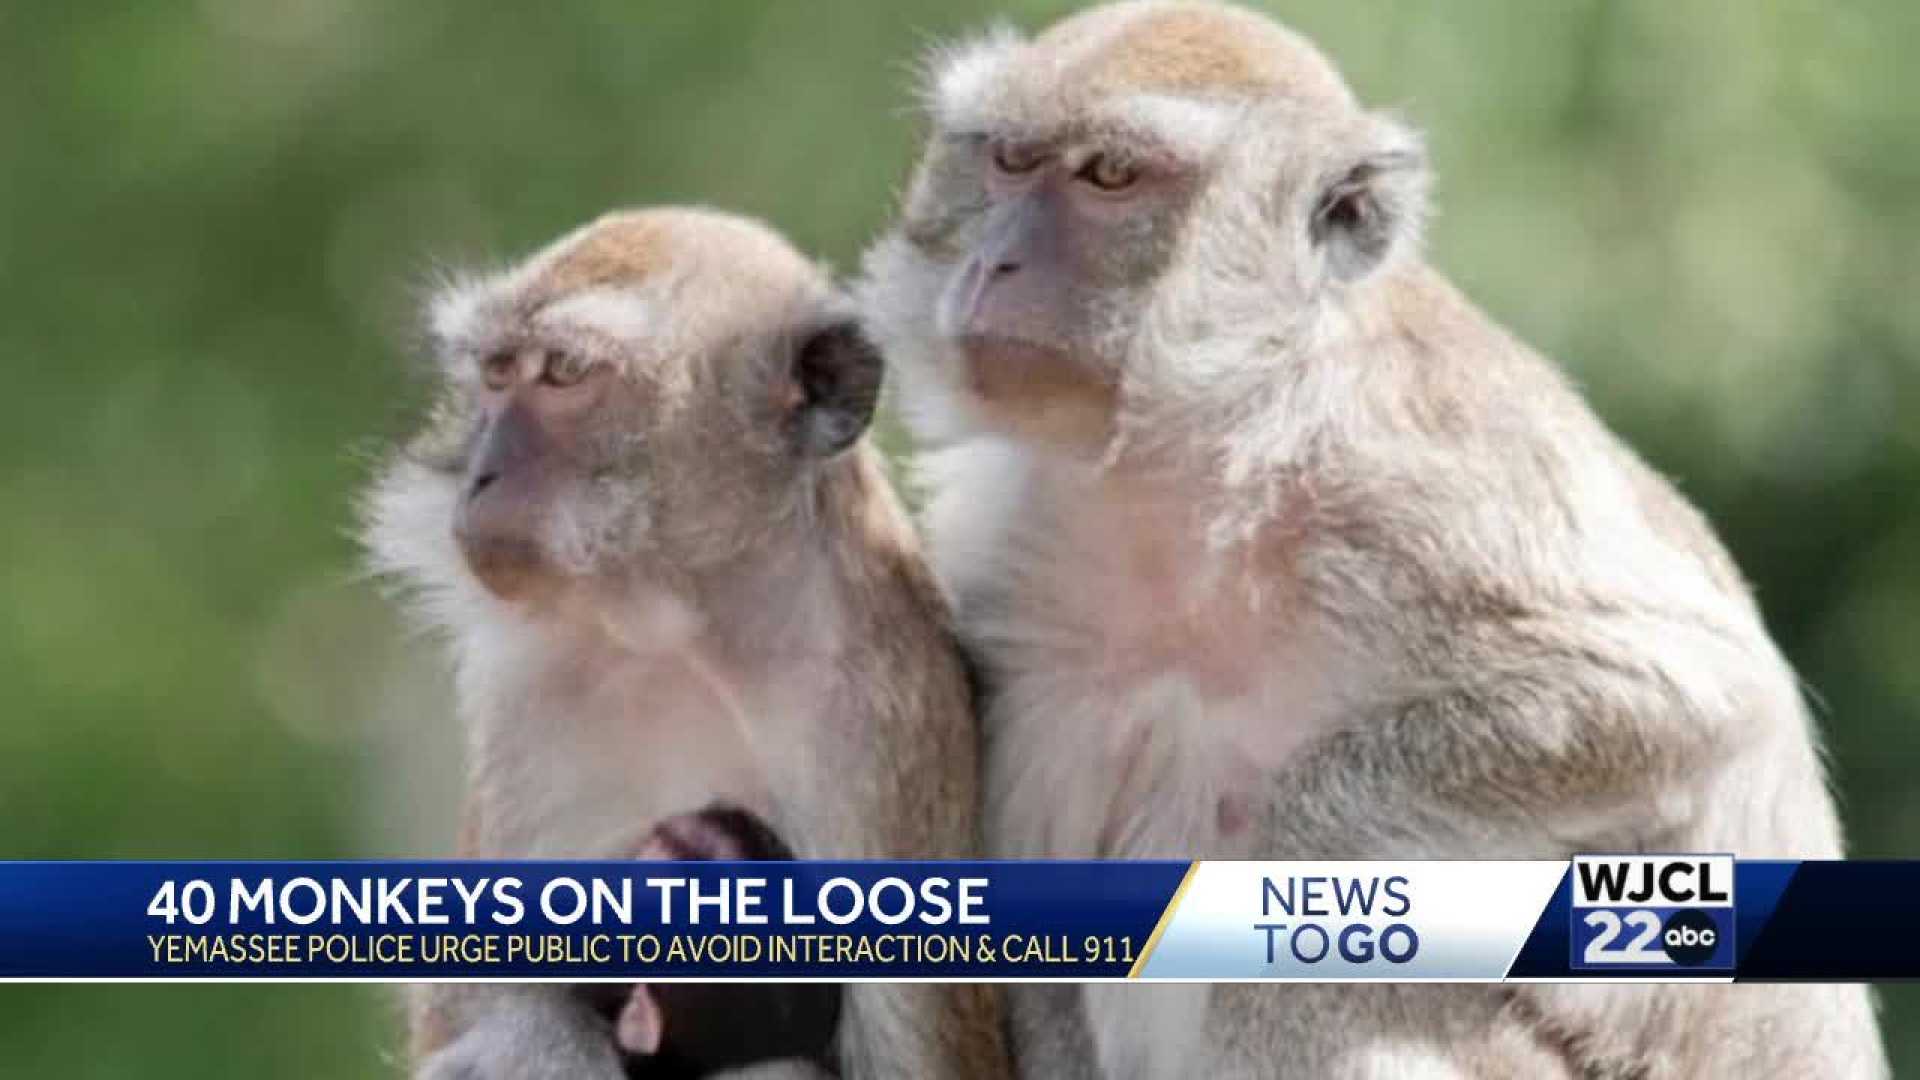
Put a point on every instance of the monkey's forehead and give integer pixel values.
(636, 271)
(1200, 52)
(634, 247)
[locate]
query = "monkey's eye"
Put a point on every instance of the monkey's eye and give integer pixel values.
(498, 370)
(564, 368)
(1016, 159)
(1109, 173)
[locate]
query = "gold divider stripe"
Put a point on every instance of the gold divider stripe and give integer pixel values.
(1166, 916)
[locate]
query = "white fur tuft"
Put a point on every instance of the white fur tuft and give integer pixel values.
(961, 75)
(455, 313)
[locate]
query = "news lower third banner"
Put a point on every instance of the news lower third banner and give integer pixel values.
(1658, 917)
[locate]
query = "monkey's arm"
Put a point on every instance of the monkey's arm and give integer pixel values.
(1542, 734)
(478, 1031)
(912, 717)
(1549, 729)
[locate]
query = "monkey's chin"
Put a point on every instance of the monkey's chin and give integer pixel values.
(1011, 368)
(512, 569)
(1007, 348)
(1041, 392)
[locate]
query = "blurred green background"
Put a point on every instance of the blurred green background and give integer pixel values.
(215, 215)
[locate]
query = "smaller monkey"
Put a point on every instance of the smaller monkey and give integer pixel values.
(687, 619)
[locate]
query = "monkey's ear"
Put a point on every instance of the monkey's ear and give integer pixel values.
(836, 378)
(1374, 203)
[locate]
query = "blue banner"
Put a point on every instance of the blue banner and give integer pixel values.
(578, 920)
(1670, 916)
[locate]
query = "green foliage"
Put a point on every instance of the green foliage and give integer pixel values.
(214, 217)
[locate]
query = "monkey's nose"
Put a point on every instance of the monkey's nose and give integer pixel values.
(482, 482)
(1003, 267)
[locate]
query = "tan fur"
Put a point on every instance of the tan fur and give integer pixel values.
(1194, 48)
(713, 614)
(627, 249)
(617, 250)
(1054, 400)
(1348, 572)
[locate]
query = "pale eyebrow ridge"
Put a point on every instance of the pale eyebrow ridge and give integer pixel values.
(619, 314)
(1191, 128)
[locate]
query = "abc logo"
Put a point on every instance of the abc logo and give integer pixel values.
(1689, 937)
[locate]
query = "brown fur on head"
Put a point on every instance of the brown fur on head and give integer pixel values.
(1139, 178)
(590, 394)
(1146, 47)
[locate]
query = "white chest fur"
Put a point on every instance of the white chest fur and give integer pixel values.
(1145, 683)
(1144, 678)
(580, 759)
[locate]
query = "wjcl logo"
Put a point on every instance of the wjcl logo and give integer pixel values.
(1632, 913)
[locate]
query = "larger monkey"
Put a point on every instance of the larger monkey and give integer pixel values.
(683, 604)
(1273, 546)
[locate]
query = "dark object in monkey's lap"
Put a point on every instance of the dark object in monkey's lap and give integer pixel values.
(715, 1026)
(708, 1027)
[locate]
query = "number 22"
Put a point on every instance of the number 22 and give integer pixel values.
(1610, 923)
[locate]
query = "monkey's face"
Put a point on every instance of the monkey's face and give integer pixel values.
(638, 405)
(1023, 259)
(1043, 284)
(1085, 205)
(551, 472)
